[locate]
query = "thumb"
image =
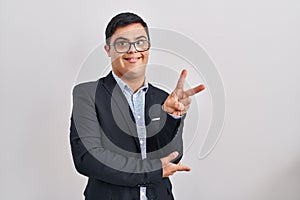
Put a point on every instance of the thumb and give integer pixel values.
(166, 160)
(172, 156)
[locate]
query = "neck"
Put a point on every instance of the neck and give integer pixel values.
(134, 83)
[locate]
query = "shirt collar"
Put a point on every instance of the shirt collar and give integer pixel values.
(125, 87)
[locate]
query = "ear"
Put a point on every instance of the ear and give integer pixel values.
(107, 49)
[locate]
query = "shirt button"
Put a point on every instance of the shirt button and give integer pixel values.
(141, 142)
(139, 117)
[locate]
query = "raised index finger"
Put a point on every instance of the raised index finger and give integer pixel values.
(181, 79)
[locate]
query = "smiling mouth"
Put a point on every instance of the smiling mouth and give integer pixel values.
(133, 59)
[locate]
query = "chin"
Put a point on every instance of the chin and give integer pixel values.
(135, 71)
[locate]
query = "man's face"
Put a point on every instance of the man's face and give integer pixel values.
(130, 64)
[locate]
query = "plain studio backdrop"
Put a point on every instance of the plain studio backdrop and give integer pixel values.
(254, 45)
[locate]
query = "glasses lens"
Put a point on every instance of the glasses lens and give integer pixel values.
(122, 47)
(142, 45)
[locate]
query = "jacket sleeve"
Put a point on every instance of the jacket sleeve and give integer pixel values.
(173, 128)
(93, 160)
(169, 137)
(165, 132)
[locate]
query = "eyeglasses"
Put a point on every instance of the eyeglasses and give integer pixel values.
(124, 46)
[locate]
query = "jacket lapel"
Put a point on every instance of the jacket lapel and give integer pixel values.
(122, 113)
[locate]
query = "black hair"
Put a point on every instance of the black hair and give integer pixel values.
(121, 20)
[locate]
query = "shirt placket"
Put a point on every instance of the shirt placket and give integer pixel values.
(138, 101)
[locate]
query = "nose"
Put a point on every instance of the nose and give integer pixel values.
(131, 49)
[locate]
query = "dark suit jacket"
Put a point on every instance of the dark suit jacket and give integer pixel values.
(105, 146)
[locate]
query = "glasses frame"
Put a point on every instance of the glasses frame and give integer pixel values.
(131, 43)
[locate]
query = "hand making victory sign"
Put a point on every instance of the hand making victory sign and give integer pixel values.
(178, 102)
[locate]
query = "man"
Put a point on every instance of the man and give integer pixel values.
(126, 134)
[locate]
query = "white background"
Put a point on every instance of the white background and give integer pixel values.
(254, 44)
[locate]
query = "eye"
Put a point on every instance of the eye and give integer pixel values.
(122, 43)
(140, 42)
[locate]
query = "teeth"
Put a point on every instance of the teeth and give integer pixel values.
(132, 59)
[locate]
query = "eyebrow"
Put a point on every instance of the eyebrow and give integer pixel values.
(122, 38)
(141, 37)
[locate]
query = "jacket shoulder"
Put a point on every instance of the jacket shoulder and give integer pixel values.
(86, 87)
(157, 90)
